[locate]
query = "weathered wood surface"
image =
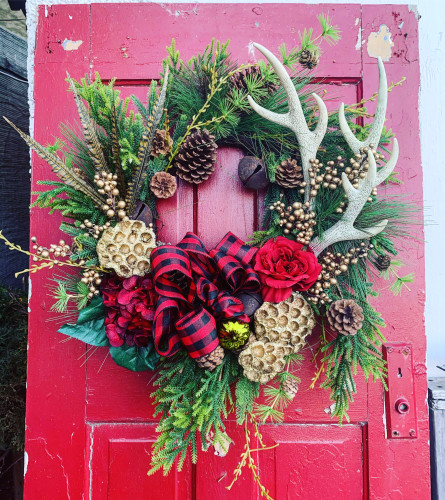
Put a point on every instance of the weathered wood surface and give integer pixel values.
(89, 423)
(436, 403)
(15, 178)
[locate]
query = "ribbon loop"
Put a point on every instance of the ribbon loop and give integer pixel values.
(188, 316)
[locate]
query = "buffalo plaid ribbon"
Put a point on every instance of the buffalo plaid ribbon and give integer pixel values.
(187, 315)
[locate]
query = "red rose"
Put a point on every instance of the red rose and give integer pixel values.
(283, 266)
(130, 305)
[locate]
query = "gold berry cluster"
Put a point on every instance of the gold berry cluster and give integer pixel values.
(327, 179)
(359, 165)
(296, 218)
(53, 252)
(93, 230)
(332, 266)
(107, 184)
(91, 278)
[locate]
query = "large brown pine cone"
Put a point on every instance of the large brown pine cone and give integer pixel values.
(212, 360)
(309, 59)
(196, 159)
(289, 174)
(345, 316)
(161, 143)
(163, 185)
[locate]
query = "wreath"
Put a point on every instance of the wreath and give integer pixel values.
(222, 326)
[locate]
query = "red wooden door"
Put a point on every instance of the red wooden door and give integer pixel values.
(89, 422)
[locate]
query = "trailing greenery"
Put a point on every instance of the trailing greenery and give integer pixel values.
(13, 350)
(192, 404)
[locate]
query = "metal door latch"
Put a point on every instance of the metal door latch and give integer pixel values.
(401, 418)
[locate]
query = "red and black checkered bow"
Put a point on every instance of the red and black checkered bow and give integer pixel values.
(187, 316)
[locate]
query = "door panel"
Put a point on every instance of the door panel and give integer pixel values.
(117, 469)
(90, 423)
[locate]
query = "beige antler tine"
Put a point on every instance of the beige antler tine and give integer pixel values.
(308, 140)
(379, 117)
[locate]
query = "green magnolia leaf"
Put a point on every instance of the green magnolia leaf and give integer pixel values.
(136, 359)
(90, 326)
(95, 310)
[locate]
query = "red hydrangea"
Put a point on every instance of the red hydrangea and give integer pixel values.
(130, 305)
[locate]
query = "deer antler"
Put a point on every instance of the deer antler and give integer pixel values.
(379, 117)
(308, 140)
(344, 229)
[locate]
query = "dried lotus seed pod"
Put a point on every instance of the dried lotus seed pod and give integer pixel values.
(287, 322)
(262, 361)
(126, 248)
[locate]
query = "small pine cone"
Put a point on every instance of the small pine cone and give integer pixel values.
(163, 185)
(196, 159)
(383, 262)
(345, 316)
(212, 360)
(309, 59)
(289, 174)
(161, 143)
(238, 80)
(290, 387)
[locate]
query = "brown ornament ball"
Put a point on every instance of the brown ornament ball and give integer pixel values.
(252, 172)
(251, 302)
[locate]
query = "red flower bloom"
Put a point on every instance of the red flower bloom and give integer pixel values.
(130, 305)
(283, 266)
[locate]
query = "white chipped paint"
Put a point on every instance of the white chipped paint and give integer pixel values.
(71, 44)
(251, 49)
(357, 20)
(360, 42)
(25, 463)
(380, 43)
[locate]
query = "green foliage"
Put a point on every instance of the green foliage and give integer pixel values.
(90, 325)
(134, 358)
(192, 403)
(13, 351)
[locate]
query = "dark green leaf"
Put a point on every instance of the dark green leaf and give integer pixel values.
(90, 327)
(136, 359)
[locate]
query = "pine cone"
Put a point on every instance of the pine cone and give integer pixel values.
(238, 80)
(383, 262)
(289, 174)
(233, 334)
(290, 387)
(212, 360)
(163, 185)
(345, 316)
(161, 143)
(309, 59)
(195, 161)
(262, 361)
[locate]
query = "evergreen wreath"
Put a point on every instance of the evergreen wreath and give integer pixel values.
(224, 326)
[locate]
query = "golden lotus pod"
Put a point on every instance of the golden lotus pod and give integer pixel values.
(288, 322)
(262, 360)
(126, 248)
